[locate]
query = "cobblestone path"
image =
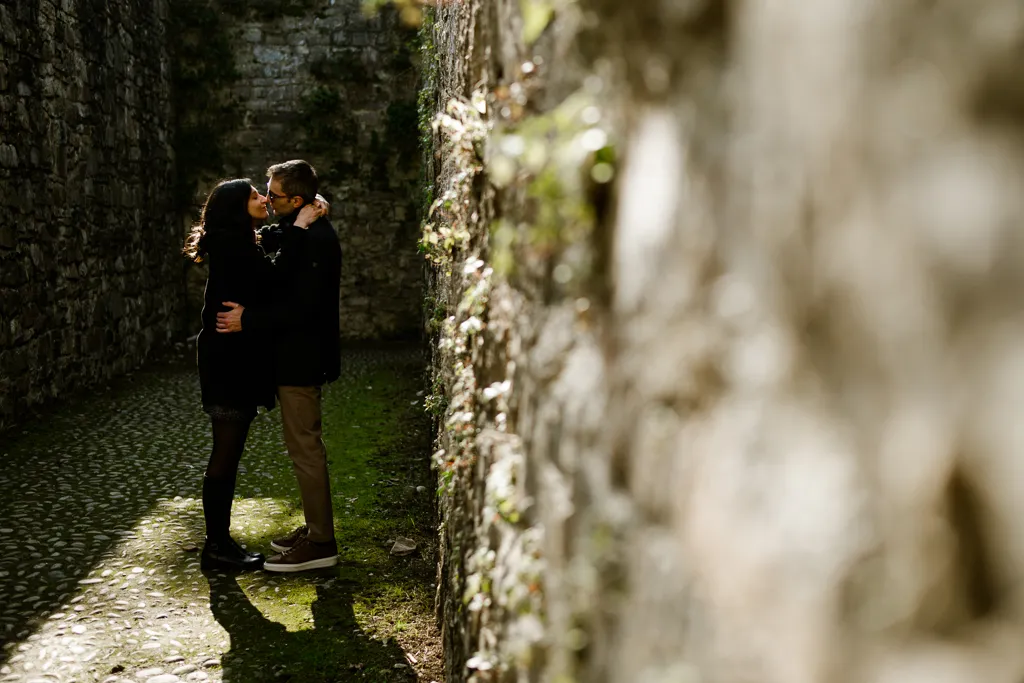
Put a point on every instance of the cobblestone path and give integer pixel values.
(101, 523)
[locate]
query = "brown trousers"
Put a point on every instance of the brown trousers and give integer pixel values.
(302, 422)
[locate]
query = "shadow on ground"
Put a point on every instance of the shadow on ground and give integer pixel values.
(335, 648)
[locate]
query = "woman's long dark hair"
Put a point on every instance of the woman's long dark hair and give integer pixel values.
(226, 213)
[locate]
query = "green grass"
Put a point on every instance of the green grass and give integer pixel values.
(358, 620)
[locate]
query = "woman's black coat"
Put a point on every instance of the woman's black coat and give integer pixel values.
(234, 368)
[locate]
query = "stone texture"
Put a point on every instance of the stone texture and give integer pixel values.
(89, 288)
(761, 419)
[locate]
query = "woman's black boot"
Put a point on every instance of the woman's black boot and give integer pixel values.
(220, 551)
(226, 554)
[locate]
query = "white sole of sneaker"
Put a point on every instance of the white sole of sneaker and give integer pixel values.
(322, 563)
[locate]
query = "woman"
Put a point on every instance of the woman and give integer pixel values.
(234, 373)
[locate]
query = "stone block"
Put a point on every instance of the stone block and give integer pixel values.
(265, 54)
(8, 156)
(8, 27)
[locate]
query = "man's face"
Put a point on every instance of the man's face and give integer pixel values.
(278, 201)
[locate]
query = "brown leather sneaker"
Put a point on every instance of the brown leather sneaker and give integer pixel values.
(305, 554)
(283, 544)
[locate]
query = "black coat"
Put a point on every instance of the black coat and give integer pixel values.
(233, 367)
(303, 315)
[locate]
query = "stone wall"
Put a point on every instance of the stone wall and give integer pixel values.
(728, 361)
(326, 82)
(89, 286)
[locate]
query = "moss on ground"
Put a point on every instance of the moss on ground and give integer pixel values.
(111, 486)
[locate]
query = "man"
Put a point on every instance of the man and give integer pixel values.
(304, 321)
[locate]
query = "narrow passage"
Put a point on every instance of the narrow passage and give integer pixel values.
(101, 524)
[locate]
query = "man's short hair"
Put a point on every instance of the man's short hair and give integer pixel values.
(297, 178)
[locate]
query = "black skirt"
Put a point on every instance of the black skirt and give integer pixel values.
(230, 413)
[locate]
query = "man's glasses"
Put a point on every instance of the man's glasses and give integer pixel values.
(271, 196)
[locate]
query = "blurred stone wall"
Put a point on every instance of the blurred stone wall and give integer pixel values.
(89, 282)
(728, 341)
(329, 83)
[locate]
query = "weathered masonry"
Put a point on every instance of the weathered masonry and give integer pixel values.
(729, 367)
(90, 280)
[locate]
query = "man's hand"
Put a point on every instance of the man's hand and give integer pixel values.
(230, 321)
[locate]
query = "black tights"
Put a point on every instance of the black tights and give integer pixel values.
(228, 443)
(219, 483)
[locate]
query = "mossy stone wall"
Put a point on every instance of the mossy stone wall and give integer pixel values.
(728, 363)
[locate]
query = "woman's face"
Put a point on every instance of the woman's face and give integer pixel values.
(257, 205)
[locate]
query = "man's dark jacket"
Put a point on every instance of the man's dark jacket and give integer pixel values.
(303, 314)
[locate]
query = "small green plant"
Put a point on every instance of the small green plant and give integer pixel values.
(426, 104)
(329, 126)
(320, 116)
(463, 130)
(401, 130)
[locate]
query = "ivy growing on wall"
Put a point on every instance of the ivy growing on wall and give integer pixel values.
(328, 125)
(426, 105)
(202, 69)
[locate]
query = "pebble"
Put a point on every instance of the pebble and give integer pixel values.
(184, 669)
(197, 676)
(165, 678)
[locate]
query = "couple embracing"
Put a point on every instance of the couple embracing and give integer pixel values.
(270, 334)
